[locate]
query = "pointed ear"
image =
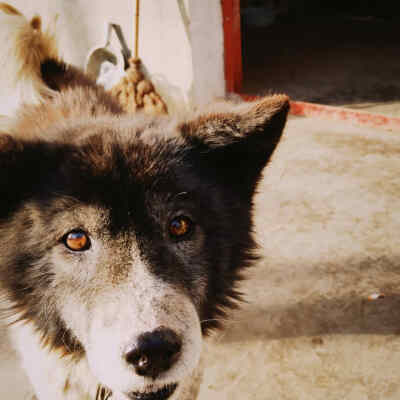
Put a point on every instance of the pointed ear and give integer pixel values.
(237, 141)
(22, 166)
(15, 173)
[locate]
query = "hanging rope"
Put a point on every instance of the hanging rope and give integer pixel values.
(136, 36)
(134, 91)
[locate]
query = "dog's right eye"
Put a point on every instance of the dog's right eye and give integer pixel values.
(180, 226)
(76, 240)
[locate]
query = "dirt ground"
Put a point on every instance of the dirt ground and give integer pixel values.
(327, 220)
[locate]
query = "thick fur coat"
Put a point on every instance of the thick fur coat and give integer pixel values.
(122, 237)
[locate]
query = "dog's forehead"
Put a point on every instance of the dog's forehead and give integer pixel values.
(112, 180)
(66, 214)
(142, 149)
(118, 160)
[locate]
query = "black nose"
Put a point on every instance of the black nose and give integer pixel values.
(155, 352)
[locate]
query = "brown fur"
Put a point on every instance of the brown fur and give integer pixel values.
(9, 9)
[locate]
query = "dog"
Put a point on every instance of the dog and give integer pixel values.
(25, 46)
(122, 237)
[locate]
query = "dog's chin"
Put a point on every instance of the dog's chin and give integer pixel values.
(154, 393)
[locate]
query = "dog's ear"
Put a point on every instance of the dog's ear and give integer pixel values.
(16, 169)
(59, 76)
(22, 166)
(235, 144)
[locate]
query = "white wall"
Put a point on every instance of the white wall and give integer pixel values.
(184, 59)
(207, 50)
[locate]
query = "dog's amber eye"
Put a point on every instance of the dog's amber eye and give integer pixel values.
(180, 226)
(77, 240)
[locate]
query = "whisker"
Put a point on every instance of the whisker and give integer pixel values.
(218, 336)
(228, 321)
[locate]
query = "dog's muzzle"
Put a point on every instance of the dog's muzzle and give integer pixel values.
(145, 356)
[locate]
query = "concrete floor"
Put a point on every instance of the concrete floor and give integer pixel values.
(338, 61)
(327, 220)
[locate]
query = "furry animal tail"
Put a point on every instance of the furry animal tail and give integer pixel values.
(25, 46)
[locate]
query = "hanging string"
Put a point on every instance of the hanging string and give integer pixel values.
(134, 91)
(137, 30)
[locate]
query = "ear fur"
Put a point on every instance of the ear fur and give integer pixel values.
(22, 166)
(59, 76)
(25, 45)
(15, 172)
(9, 9)
(238, 142)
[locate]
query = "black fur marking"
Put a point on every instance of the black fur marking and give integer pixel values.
(62, 77)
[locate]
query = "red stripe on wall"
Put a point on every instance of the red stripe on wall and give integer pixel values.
(232, 45)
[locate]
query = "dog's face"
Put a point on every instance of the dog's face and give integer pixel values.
(123, 246)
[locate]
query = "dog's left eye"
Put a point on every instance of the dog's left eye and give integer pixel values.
(180, 226)
(76, 240)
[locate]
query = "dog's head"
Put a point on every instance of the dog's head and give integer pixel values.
(124, 244)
